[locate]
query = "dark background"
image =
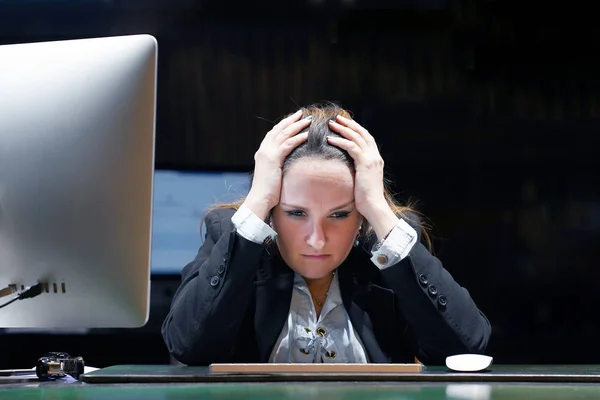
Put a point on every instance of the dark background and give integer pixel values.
(486, 112)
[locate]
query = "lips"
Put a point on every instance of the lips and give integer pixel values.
(315, 257)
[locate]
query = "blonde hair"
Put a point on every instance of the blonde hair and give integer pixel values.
(318, 147)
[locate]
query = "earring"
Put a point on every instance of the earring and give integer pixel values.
(356, 243)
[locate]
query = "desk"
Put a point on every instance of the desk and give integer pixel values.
(501, 373)
(169, 382)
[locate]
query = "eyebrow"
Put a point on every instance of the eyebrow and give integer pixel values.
(333, 209)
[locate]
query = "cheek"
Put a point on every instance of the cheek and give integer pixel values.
(344, 233)
(281, 224)
(288, 230)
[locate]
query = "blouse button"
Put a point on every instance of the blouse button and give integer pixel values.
(330, 354)
(321, 331)
(382, 259)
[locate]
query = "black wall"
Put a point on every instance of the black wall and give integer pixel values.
(486, 112)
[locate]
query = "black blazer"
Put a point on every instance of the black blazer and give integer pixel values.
(235, 297)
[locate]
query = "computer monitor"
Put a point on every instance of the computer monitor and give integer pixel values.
(77, 126)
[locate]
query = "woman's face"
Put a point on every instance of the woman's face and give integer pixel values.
(316, 221)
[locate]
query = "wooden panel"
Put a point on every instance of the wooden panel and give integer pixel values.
(295, 368)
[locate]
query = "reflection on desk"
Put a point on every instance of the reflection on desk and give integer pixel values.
(315, 390)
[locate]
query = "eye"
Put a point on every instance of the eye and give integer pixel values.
(340, 214)
(295, 213)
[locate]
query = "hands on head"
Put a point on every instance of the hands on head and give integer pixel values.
(265, 190)
(313, 132)
(318, 179)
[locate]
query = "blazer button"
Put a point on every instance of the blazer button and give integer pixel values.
(221, 269)
(382, 259)
(442, 301)
(432, 291)
(214, 281)
(423, 280)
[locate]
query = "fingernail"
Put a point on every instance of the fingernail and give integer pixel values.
(308, 117)
(331, 121)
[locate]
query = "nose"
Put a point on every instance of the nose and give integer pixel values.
(316, 236)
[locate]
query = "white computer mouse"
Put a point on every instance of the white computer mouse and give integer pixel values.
(468, 362)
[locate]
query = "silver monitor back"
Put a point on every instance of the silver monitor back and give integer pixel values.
(77, 134)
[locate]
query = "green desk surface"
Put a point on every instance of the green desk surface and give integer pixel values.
(149, 382)
(499, 373)
(306, 391)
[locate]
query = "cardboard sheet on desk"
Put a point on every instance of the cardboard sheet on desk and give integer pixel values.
(182, 373)
(270, 368)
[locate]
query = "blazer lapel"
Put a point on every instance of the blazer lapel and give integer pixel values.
(273, 298)
(352, 293)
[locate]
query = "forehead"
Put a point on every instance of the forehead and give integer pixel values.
(308, 182)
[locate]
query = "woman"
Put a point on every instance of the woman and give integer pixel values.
(319, 264)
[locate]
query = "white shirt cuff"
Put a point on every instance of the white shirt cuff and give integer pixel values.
(396, 246)
(249, 226)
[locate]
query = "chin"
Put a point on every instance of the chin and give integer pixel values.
(310, 272)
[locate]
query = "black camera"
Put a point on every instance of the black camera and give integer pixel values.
(58, 365)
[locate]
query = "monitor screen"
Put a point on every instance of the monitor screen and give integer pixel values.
(181, 199)
(77, 123)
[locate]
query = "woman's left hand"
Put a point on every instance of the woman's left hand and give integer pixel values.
(368, 182)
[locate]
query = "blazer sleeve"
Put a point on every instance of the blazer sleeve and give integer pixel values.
(441, 315)
(209, 306)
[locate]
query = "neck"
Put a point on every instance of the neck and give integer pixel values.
(319, 286)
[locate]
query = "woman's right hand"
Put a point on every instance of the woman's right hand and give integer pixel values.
(268, 161)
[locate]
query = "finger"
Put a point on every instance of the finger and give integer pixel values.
(351, 147)
(356, 127)
(287, 121)
(293, 129)
(284, 123)
(291, 143)
(348, 133)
